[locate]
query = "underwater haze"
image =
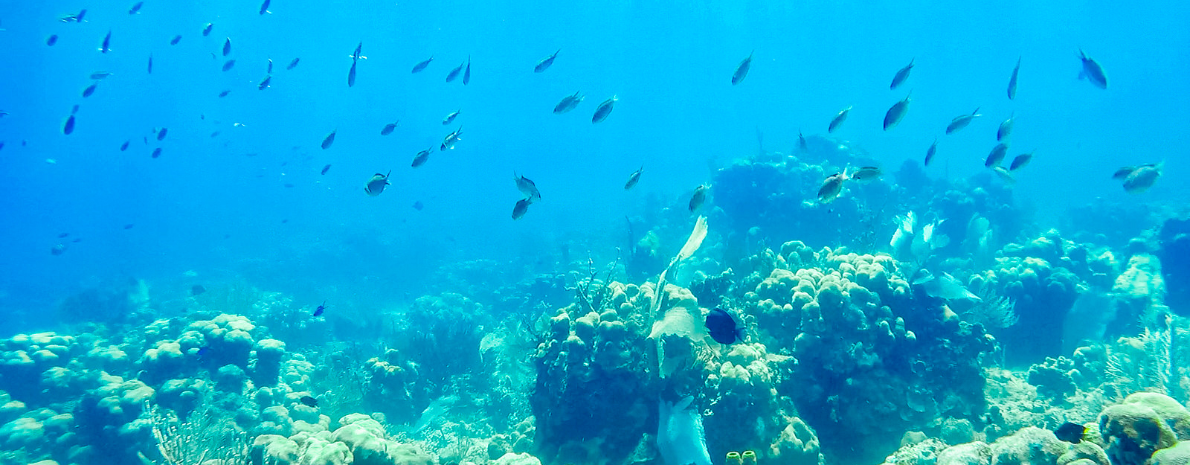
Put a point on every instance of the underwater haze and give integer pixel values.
(263, 229)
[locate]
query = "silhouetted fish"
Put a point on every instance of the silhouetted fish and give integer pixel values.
(1012, 80)
(89, 90)
(896, 113)
(838, 120)
(161, 133)
(902, 75)
(467, 72)
(931, 151)
(741, 71)
(329, 139)
(351, 75)
(545, 63)
(175, 40)
(1070, 432)
(136, 8)
(107, 42)
(454, 73)
(226, 46)
(325, 169)
(422, 65)
(264, 7)
(388, 129)
(197, 289)
(309, 401)
(206, 31)
(156, 152)
(69, 126)
(293, 64)
(603, 110)
(723, 327)
(51, 40)
(228, 64)
(1092, 71)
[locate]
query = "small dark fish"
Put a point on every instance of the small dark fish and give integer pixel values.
(156, 152)
(205, 351)
(359, 50)
(521, 207)
(838, 120)
(931, 151)
(175, 40)
(545, 63)
(224, 93)
(150, 67)
(129, 226)
(1012, 80)
(1005, 129)
(124, 146)
(76, 240)
(603, 110)
(467, 72)
(421, 157)
(961, 121)
(325, 169)
(418, 205)
(1020, 161)
(100, 75)
(1070, 432)
(270, 71)
(802, 144)
(996, 155)
(832, 186)
(206, 31)
(264, 7)
(1092, 71)
(107, 42)
(741, 71)
(901, 75)
(527, 187)
(288, 185)
(568, 103)
(450, 118)
(58, 249)
(226, 46)
(135, 8)
(329, 139)
(146, 139)
(700, 196)
(723, 327)
(197, 289)
(321, 308)
(421, 66)
(896, 113)
(351, 75)
(264, 83)
(451, 139)
(51, 40)
(228, 64)
(634, 178)
(377, 184)
(214, 134)
(161, 134)
(89, 90)
(63, 235)
(454, 73)
(69, 126)
(293, 64)
(388, 129)
(309, 401)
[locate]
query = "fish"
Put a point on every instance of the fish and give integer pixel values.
(634, 178)
(417, 205)
(161, 134)
(930, 152)
(129, 226)
(1005, 129)
(351, 75)
(943, 286)
(802, 144)
(1020, 161)
(1123, 173)
(603, 110)
(723, 327)
(568, 103)
(124, 146)
(388, 128)
(107, 43)
(1012, 80)
(454, 73)
(358, 53)
(741, 71)
(521, 207)
(206, 30)
(136, 8)
(69, 126)
(1004, 174)
(63, 235)
(264, 7)
(309, 401)
(961, 121)
(449, 141)
(224, 93)
(150, 67)
(197, 289)
(1092, 71)
(175, 40)
(264, 83)
(450, 118)
(51, 40)
(270, 71)
(421, 157)
(100, 75)
(292, 64)
(226, 46)
(996, 155)
(867, 173)
(227, 65)
(1070, 432)
(58, 249)
(89, 90)
(699, 196)
(467, 72)
(838, 120)
(1142, 178)
(156, 152)
(902, 75)
(545, 63)
(527, 187)
(377, 184)
(329, 139)
(421, 66)
(325, 169)
(72, 17)
(321, 308)
(896, 113)
(832, 186)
